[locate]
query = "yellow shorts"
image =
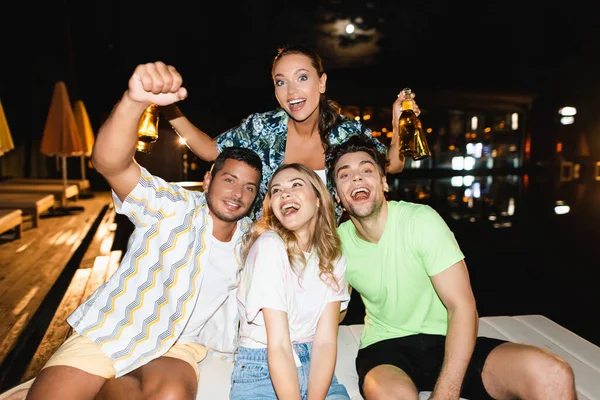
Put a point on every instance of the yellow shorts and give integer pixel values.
(82, 353)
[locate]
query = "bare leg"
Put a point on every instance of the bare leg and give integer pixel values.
(163, 378)
(527, 372)
(65, 383)
(389, 382)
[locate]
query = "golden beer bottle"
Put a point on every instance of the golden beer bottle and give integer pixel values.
(412, 142)
(148, 129)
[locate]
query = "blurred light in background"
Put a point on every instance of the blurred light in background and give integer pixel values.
(561, 208)
(567, 111)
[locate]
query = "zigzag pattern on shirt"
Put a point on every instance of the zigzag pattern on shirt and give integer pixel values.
(167, 192)
(183, 300)
(132, 262)
(170, 191)
(143, 203)
(154, 317)
(133, 269)
(162, 337)
(150, 281)
(89, 303)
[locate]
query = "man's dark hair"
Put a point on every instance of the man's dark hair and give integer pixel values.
(355, 144)
(241, 154)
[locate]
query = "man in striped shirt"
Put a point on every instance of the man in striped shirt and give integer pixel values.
(142, 333)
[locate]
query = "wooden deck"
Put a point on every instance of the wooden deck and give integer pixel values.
(36, 270)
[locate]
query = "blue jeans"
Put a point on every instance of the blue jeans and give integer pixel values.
(250, 379)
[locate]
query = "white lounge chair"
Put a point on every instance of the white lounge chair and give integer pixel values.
(33, 204)
(583, 356)
(82, 184)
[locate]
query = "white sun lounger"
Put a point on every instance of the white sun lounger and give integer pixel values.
(58, 190)
(11, 219)
(583, 356)
(538, 330)
(32, 204)
(83, 184)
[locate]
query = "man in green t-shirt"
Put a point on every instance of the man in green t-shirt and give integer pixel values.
(421, 318)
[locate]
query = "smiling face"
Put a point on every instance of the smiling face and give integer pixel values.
(298, 86)
(231, 191)
(294, 202)
(359, 184)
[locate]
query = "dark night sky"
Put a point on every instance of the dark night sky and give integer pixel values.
(224, 53)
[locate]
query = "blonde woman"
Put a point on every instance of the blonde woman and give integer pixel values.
(292, 289)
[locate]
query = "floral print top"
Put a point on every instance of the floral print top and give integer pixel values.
(266, 134)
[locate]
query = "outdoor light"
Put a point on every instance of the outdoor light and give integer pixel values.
(514, 121)
(468, 163)
(567, 111)
(567, 120)
(561, 208)
(349, 29)
(474, 121)
(456, 181)
(458, 163)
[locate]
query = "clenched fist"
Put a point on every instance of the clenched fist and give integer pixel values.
(156, 83)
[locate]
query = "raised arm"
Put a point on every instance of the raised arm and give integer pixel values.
(114, 149)
(454, 289)
(279, 355)
(396, 159)
(199, 142)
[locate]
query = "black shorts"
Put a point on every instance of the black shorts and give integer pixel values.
(421, 357)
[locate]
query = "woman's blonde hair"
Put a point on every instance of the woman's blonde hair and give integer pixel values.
(326, 241)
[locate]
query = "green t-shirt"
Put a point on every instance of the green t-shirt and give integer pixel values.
(393, 276)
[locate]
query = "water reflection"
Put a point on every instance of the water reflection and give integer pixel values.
(490, 200)
(499, 201)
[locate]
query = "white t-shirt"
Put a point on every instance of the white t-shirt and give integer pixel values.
(219, 283)
(267, 281)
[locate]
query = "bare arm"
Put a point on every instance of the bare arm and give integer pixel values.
(199, 142)
(279, 355)
(114, 149)
(454, 288)
(324, 353)
(396, 159)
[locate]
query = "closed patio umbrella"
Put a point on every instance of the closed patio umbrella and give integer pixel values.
(85, 132)
(6, 141)
(60, 137)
